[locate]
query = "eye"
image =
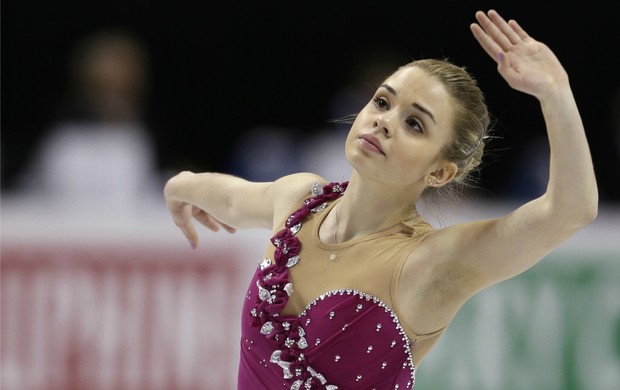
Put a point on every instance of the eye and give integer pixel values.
(415, 125)
(381, 103)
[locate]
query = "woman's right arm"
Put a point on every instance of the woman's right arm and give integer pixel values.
(220, 200)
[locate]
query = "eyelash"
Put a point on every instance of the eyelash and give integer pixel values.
(412, 122)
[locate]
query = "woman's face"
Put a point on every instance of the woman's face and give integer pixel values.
(398, 135)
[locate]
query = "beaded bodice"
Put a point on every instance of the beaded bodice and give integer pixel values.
(345, 338)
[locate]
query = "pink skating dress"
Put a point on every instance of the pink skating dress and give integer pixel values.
(322, 316)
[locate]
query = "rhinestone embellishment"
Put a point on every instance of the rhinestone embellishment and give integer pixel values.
(273, 288)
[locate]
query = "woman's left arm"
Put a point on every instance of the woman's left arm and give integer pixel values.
(531, 67)
(509, 245)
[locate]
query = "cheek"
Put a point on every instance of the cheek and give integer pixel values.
(350, 141)
(412, 162)
(354, 132)
(409, 164)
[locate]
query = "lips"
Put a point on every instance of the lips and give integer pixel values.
(371, 143)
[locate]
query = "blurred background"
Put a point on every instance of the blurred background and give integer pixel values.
(102, 102)
(216, 71)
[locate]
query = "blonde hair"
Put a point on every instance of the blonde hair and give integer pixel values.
(471, 123)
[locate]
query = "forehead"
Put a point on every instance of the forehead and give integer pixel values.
(416, 82)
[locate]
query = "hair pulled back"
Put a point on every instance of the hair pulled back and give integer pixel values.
(471, 122)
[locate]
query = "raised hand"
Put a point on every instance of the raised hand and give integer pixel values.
(526, 64)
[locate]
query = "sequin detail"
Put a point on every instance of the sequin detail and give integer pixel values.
(274, 289)
(364, 297)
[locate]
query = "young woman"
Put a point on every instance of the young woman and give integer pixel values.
(355, 286)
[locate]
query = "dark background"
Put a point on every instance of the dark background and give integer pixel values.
(221, 68)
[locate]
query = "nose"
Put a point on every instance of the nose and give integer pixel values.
(382, 123)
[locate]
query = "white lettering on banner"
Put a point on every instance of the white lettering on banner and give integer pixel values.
(117, 325)
(114, 322)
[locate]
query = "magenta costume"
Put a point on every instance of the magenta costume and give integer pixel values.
(343, 339)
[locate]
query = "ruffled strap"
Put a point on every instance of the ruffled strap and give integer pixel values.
(274, 289)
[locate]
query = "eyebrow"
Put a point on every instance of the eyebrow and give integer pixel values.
(414, 104)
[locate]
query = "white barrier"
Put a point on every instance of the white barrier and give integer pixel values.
(97, 300)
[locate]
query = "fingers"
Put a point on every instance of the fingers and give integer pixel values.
(228, 228)
(495, 34)
(190, 233)
(489, 46)
(205, 219)
(210, 222)
(508, 36)
(518, 30)
(183, 213)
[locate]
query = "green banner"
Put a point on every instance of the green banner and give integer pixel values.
(556, 326)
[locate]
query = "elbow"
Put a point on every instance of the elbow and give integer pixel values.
(575, 214)
(591, 210)
(588, 212)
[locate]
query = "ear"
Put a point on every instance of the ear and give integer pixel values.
(443, 175)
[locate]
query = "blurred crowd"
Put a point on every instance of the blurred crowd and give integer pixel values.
(100, 150)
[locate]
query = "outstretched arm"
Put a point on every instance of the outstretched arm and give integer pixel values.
(500, 248)
(531, 67)
(219, 200)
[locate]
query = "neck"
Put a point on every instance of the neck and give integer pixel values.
(358, 214)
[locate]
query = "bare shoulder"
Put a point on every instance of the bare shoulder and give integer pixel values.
(289, 190)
